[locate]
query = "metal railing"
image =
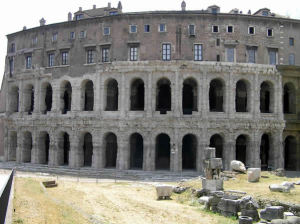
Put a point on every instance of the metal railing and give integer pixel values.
(4, 197)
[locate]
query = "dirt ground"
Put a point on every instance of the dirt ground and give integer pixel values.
(104, 202)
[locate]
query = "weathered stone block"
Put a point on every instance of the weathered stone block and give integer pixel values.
(215, 163)
(209, 153)
(245, 220)
(228, 207)
(287, 214)
(164, 191)
(279, 188)
(279, 221)
(253, 174)
(212, 185)
(237, 166)
(204, 199)
(293, 220)
(288, 184)
(251, 213)
(272, 212)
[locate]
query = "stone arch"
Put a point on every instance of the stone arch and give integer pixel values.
(189, 152)
(87, 148)
(216, 95)
(26, 147)
(216, 141)
(12, 150)
(14, 99)
(189, 96)
(28, 100)
(162, 152)
(242, 96)
(43, 148)
(265, 145)
(163, 95)
(241, 147)
(289, 98)
(87, 95)
(111, 150)
(136, 151)
(64, 148)
(65, 97)
(291, 157)
(137, 95)
(266, 97)
(112, 95)
(46, 97)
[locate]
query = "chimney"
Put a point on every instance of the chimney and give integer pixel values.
(42, 22)
(120, 6)
(80, 9)
(249, 12)
(69, 16)
(109, 5)
(94, 6)
(24, 28)
(183, 6)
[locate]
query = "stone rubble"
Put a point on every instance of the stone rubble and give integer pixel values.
(237, 166)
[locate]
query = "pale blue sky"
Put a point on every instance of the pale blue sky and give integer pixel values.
(18, 13)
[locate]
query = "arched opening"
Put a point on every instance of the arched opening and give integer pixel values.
(12, 153)
(189, 96)
(189, 152)
(87, 95)
(43, 147)
(27, 147)
(29, 99)
(241, 148)
(216, 95)
(66, 97)
(64, 148)
(14, 99)
(87, 149)
(163, 96)
(291, 158)
(216, 141)
(112, 95)
(162, 152)
(241, 97)
(136, 151)
(266, 98)
(264, 151)
(137, 95)
(46, 96)
(111, 149)
(289, 99)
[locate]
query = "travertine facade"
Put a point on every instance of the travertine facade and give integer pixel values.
(144, 90)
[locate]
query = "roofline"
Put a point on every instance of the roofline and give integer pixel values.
(189, 12)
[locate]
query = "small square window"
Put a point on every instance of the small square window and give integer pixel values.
(265, 13)
(270, 32)
(146, 28)
(229, 29)
(215, 29)
(54, 37)
(106, 30)
(82, 34)
(291, 41)
(72, 35)
(78, 17)
(133, 29)
(251, 30)
(192, 30)
(162, 28)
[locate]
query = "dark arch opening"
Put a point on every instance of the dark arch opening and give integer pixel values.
(88, 96)
(112, 94)
(47, 147)
(14, 99)
(29, 98)
(48, 98)
(216, 94)
(163, 96)
(163, 150)
(241, 147)
(189, 96)
(43, 146)
(87, 149)
(189, 152)
(136, 151)
(291, 158)
(265, 98)
(137, 95)
(67, 97)
(241, 96)
(27, 147)
(264, 151)
(289, 99)
(111, 148)
(66, 147)
(216, 141)
(12, 146)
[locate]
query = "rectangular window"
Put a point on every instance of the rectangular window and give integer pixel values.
(133, 53)
(198, 52)
(270, 32)
(11, 66)
(106, 31)
(113, 13)
(105, 54)
(218, 57)
(215, 29)
(28, 61)
(78, 17)
(251, 30)
(34, 40)
(162, 28)
(54, 37)
(265, 13)
(251, 52)
(230, 54)
(273, 56)
(166, 52)
(12, 48)
(72, 35)
(132, 28)
(291, 59)
(146, 28)
(90, 54)
(229, 29)
(291, 41)
(65, 58)
(51, 59)
(218, 42)
(82, 34)
(192, 30)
